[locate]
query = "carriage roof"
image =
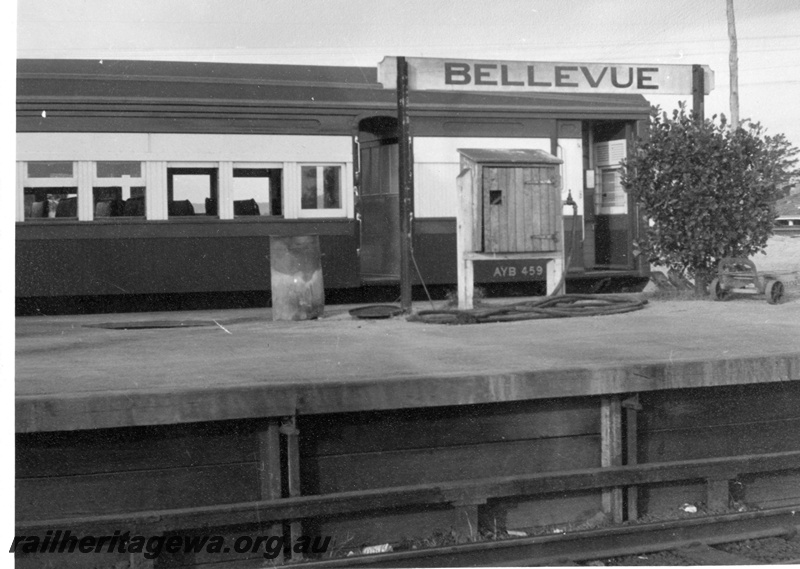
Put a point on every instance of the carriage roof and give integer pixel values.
(157, 95)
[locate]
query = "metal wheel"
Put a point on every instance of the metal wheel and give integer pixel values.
(773, 291)
(717, 291)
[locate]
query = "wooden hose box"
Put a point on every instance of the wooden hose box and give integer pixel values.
(519, 196)
(509, 223)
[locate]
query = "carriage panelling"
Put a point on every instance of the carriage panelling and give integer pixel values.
(200, 256)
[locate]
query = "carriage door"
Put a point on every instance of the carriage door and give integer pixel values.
(379, 208)
(613, 223)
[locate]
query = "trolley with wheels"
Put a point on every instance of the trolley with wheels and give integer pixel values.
(736, 273)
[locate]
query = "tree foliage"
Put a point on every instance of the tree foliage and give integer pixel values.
(706, 191)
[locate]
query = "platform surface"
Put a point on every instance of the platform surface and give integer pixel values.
(72, 376)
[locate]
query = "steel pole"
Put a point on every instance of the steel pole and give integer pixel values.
(698, 92)
(406, 180)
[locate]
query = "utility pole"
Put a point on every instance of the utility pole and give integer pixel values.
(734, 67)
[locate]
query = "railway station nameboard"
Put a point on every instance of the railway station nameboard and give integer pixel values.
(429, 74)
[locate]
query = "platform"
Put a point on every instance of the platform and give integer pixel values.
(70, 375)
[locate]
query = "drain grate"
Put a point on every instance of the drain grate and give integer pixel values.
(376, 311)
(150, 324)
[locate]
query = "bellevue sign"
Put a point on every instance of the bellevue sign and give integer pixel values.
(428, 74)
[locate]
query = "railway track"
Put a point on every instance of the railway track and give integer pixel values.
(766, 551)
(696, 541)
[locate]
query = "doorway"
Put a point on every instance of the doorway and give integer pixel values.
(608, 207)
(379, 200)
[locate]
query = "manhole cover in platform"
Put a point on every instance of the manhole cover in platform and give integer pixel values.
(376, 311)
(149, 324)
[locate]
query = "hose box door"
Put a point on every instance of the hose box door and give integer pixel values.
(521, 208)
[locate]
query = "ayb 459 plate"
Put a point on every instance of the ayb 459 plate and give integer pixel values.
(510, 271)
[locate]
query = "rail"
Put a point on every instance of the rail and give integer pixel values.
(456, 493)
(569, 548)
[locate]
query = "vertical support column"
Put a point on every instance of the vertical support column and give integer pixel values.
(611, 451)
(20, 191)
(348, 198)
(717, 494)
(465, 239)
(289, 429)
(468, 286)
(269, 471)
(406, 183)
(698, 92)
(85, 191)
(291, 190)
(555, 271)
(155, 199)
(632, 407)
(225, 190)
(467, 517)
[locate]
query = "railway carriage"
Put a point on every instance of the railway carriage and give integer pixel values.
(146, 177)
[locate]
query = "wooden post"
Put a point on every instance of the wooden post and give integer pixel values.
(406, 189)
(464, 239)
(555, 270)
(632, 407)
(289, 429)
(717, 495)
(269, 472)
(611, 451)
(698, 92)
(467, 517)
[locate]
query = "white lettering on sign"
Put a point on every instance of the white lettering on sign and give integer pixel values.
(501, 271)
(426, 74)
(507, 271)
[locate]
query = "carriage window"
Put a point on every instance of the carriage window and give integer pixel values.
(119, 169)
(51, 190)
(321, 187)
(50, 170)
(613, 196)
(46, 203)
(192, 191)
(119, 201)
(257, 191)
(119, 190)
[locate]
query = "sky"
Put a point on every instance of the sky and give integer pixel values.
(362, 32)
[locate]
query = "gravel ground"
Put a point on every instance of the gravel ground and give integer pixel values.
(660, 559)
(767, 550)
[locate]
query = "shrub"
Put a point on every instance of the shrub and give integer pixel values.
(705, 191)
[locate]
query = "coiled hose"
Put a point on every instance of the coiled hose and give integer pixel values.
(564, 306)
